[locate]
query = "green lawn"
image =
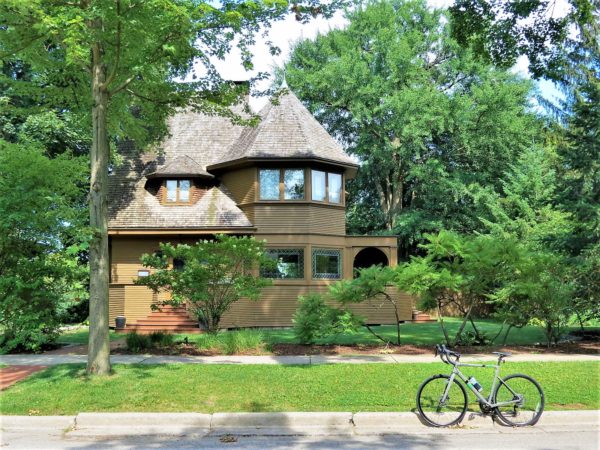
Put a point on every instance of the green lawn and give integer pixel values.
(411, 333)
(81, 336)
(213, 388)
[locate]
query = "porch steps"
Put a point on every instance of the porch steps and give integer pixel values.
(421, 317)
(167, 319)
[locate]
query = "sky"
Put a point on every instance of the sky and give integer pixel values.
(284, 33)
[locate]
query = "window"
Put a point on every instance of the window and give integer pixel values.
(269, 184)
(290, 263)
(143, 273)
(327, 264)
(178, 264)
(272, 180)
(293, 184)
(318, 185)
(326, 186)
(335, 187)
(178, 191)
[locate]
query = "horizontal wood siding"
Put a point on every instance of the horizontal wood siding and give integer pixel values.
(277, 305)
(299, 218)
(241, 183)
(116, 303)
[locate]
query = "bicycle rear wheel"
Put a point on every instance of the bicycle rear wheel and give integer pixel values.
(526, 397)
(440, 413)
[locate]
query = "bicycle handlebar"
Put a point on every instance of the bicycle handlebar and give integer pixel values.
(446, 354)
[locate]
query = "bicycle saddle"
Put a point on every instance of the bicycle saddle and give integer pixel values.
(502, 354)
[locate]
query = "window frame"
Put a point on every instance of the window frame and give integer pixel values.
(301, 251)
(281, 197)
(327, 252)
(326, 199)
(177, 192)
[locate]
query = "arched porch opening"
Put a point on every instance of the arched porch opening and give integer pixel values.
(369, 256)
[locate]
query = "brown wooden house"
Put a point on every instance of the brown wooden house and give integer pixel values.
(282, 181)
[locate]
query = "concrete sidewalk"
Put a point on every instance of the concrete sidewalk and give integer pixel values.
(49, 360)
(104, 425)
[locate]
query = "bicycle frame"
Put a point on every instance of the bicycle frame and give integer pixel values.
(486, 401)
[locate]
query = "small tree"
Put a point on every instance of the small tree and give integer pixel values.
(460, 271)
(369, 286)
(538, 294)
(211, 277)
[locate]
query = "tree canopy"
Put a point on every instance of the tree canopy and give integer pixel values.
(424, 116)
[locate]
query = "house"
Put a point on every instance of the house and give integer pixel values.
(282, 181)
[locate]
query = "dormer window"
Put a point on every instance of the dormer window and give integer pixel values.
(178, 191)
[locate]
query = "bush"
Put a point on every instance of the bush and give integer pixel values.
(138, 342)
(315, 319)
(160, 339)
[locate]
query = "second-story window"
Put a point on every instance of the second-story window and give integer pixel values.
(269, 184)
(278, 184)
(293, 184)
(178, 191)
(326, 186)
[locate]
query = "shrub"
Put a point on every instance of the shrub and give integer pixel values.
(160, 339)
(138, 342)
(315, 319)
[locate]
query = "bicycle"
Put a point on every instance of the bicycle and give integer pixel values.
(517, 400)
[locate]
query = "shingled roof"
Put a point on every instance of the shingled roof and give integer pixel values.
(286, 130)
(197, 143)
(181, 166)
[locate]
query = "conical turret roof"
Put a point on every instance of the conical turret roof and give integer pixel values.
(287, 130)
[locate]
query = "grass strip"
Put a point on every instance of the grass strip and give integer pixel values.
(65, 389)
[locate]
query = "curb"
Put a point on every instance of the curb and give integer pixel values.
(279, 424)
(282, 424)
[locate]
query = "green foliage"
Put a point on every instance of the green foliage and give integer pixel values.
(314, 319)
(503, 30)
(233, 342)
(138, 342)
(424, 117)
(215, 274)
(161, 339)
(39, 214)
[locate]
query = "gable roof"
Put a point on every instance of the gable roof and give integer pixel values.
(286, 130)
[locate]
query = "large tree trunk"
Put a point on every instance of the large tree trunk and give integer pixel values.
(99, 348)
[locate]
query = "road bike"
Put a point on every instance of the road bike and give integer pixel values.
(516, 400)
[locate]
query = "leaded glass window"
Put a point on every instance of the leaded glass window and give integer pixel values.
(327, 263)
(319, 186)
(293, 184)
(335, 187)
(289, 263)
(269, 184)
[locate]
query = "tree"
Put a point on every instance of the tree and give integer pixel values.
(40, 233)
(503, 30)
(460, 272)
(114, 65)
(425, 118)
(210, 275)
(370, 285)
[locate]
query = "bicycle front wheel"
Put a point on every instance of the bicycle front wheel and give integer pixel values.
(523, 400)
(437, 411)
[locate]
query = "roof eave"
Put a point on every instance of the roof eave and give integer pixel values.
(351, 167)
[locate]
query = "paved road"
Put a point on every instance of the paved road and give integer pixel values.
(564, 439)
